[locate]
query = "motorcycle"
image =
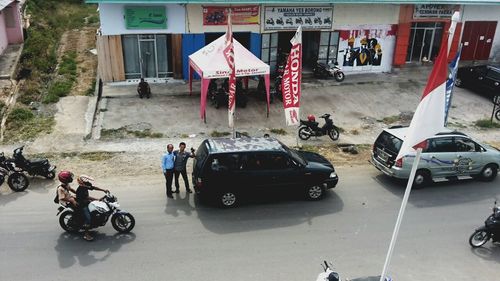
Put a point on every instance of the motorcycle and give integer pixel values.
(289, 21)
(17, 181)
(323, 70)
(221, 96)
(308, 21)
(318, 20)
(309, 128)
(280, 21)
(299, 21)
(270, 21)
(490, 230)
(35, 167)
(71, 219)
(329, 275)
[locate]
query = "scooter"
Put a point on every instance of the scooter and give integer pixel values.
(17, 181)
(490, 230)
(289, 21)
(71, 219)
(270, 21)
(323, 70)
(280, 21)
(35, 167)
(329, 275)
(309, 128)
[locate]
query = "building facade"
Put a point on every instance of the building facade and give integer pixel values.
(11, 31)
(153, 39)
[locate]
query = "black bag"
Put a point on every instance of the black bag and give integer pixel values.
(56, 199)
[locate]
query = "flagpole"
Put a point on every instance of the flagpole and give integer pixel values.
(401, 213)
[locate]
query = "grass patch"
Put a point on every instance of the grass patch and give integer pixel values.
(122, 133)
(68, 64)
(91, 90)
(184, 136)
(27, 128)
(19, 115)
(58, 90)
(97, 155)
(281, 132)
(217, 134)
(486, 124)
(309, 148)
(390, 119)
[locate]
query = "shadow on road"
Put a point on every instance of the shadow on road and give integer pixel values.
(444, 192)
(490, 254)
(267, 213)
(180, 202)
(72, 248)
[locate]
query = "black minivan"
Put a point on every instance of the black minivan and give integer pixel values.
(225, 169)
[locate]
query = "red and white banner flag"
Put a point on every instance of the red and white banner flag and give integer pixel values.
(229, 55)
(292, 77)
(429, 117)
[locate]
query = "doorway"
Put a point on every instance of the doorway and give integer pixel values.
(477, 39)
(425, 39)
(310, 46)
(242, 37)
(146, 56)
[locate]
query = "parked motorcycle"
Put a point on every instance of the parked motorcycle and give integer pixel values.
(71, 220)
(490, 230)
(329, 275)
(35, 167)
(323, 70)
(309, 128)
(221, 96)
(17, 181)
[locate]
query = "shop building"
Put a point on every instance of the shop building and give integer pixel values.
(11, 30)
(153, 39)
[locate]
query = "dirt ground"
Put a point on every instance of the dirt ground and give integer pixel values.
(81, 41)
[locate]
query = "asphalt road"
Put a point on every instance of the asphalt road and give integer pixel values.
(271, 239)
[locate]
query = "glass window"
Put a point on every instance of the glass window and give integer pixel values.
(325, 38)
(495, 75)
(441, 145)
(161, 50)
(266, 38)
(465, 145)
(274, 39)
(131, 56)
(265, 55)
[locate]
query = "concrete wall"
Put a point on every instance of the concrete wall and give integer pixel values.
(485, 13)
(3, 34)
(15, 33)
(363, 14)
(195, 22)
(113, 20)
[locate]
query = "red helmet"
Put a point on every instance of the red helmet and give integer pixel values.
(311, 118)
(65, 176)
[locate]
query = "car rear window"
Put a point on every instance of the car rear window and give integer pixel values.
(389, 143)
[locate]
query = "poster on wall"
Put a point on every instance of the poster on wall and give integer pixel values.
(283, 18)
(150, 17)
(240, 15)
(433, 11)
(366, 48)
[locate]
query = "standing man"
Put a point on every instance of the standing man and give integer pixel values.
(181, 158)
(167, 165)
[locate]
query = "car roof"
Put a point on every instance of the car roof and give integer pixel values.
(400, 132)
(253, 144)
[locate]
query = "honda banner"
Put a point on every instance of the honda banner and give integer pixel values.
(229, 55)
(291, 80)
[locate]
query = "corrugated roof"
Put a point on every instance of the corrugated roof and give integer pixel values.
(283, 2)
(5, 3)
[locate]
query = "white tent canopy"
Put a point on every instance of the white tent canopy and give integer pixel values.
(209, 62)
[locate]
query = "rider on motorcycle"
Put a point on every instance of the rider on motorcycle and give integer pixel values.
(85, 183)
(64, 189)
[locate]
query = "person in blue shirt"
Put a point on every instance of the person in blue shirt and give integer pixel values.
(167, 165)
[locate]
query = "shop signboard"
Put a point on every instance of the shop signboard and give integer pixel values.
(284, 18)
(240, 15)
(433, 11)
(150, 17)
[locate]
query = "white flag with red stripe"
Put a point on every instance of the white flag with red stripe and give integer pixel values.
(290, 84)
(429, 117)
(229, 55)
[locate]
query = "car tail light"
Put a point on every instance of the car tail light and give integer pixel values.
(399, 162)
(199, 182)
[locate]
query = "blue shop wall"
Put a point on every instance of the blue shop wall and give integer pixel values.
(193, 42)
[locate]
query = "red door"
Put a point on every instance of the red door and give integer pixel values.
(477, 39)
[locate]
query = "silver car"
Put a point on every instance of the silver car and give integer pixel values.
(448, 155)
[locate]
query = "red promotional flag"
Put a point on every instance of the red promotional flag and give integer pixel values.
(229, 55)
(292, 77)
(429, 117)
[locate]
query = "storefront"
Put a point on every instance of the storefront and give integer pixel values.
(140, 41)
(481, 33)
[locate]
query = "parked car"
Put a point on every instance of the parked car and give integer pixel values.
(484, 79)
(227, 169)
(448, 155)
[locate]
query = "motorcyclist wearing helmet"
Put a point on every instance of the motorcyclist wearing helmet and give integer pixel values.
(64, 189)
(85, 183)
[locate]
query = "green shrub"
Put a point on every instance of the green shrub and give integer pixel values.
(486, 123)
(57, 90)
(68, 64)
(20, 114)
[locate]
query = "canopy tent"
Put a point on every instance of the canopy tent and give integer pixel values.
(209, 62)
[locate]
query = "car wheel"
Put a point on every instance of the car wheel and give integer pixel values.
(458, 82)
(315, 192)
(489, 173)
(422, 179)
(228, 199)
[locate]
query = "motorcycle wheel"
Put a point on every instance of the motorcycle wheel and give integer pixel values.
(479, 238)
(497, 115)
(123, 223)
(50, 175)
(339, 76)
(66, 221)
(304, 133)
(18, 182)
(334, 134)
